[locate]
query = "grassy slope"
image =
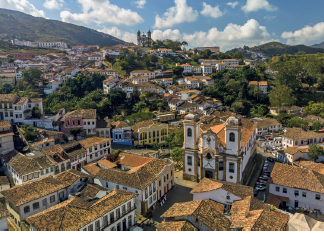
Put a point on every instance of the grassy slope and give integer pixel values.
(26, 27)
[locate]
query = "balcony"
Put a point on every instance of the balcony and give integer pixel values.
(111, 221)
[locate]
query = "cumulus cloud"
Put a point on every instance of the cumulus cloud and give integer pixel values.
(99, 12)
(53, 4)
(125, 36)
(140, 3)
(255, 5)
(23, 6)
(177, 14)
(208, 10)
(232, 4)
(305, 35)
(251, 33)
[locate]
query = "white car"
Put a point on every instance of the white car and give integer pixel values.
(260, 188)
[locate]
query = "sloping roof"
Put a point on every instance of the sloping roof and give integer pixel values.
(75, 213)
(55, 153)
(85, 113)
(33, 190)
(145, 123)
(264, 123)
(133, 160)
(208, 212)
(23, 164)
(5, 124)
(106, 163)
(318, 167)
(298, 133)
(296, 177)
(275, 200)
(91, 168)
(206, 185)
(176, 226)
(119, 124)
(138, 177)
(4, 180)
(103, 123)
(73, 148)
(70, 176)
(10, 97)
(254, 215)
(89, 142)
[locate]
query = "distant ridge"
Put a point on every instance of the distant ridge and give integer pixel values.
(320, 45)
(18, 25)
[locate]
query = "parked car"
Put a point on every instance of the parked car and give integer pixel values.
(261, 139)
(270, 138)
(270, 159)
(267, 172)
(261, 188)
(255, 192)
(260, 183)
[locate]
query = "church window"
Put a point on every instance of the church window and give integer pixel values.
(189, 132)
(232, 137)
(190, 160)
(221, 166)
(231, 167)
(208, 156)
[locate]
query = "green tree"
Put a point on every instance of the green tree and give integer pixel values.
(178, 70)
(36, 112)
(263, 110)
(10, 59)
(297, 123)
(282, 95)
(176, 155)
(75, 131)
(314, 151)
(6, 88)
(317, 125)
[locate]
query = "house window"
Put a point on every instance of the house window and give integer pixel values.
(232, 137)
(117, 213)
(84, 123)
(318, 197)
(284, 190)
(129, 221)
(26, 209)
(296, 193)
(107, 184)
(112, 217)
(189, 160)
(36, 205)
(79, 122)
(105, 220)
(117, 186)
(52, 199)
(44, 202)
(304, 194)
(98, 225)
(90, 227)
(231, 167)
(277, 189)
(189, 132)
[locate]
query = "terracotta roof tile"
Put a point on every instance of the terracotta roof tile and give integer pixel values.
(146, 123)
(5, 124)
(4, 180)
(264, 123)
(85, 113)
(119, 124)
(91, 168)
(133, 160)
(275, 200)
(318, 167)
(106, 163)
(92, 141)
(298, 133)
(206, 185)
(176, 226)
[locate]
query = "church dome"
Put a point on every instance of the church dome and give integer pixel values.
(233, 120)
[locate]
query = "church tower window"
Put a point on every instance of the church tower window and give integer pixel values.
(189, 132)
(208, 156)
(232, 137)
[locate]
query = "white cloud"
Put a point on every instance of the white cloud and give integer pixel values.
(125, 36)
(140, 3)
(53, 4)
(177, 14)
(250, 34)
(232, 4)
(255, 5)
(305, 35)
(208, 10)
(23, 6)
(101, 11)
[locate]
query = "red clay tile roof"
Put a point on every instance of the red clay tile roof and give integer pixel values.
(107, 163)
(296, 177)
(85, 113)
(176, 226)
(318, 167)
(91, 168)
(119, 124)
(56, 153)
(208, 212)
(275, 200)
(5, 124)
(133, 160)
(206, 185)
(92, 141)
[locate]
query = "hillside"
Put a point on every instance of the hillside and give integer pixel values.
(275, 48)
(320, 45)
(18, 25)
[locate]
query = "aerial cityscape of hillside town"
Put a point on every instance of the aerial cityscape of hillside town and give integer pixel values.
(159, 135)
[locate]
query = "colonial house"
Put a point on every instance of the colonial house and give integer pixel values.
(103, 127)
(185, 94)
(58, 157)
(296, 187)
(31, 198)
(149, 178)
(204, 215)
(187, 68)
(109, 84)
(4, 184)
(139, 79)
(146, 73)
(121, 133)
(207, 69)
(265, 126)
(174, 103)
(6, 137)
(149, 132)
(4, 214)
(82, 118)
(222, 152)
(186, 107)
(22, 168)
(298, 137)
(105, 72)
(77, 154)
(192, 81)
(96, 147)
(113, 212)
(263, 85)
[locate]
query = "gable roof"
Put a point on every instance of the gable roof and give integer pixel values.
(133, 160)
(70, 176)
(107, 163)
(119, 124)
(176, 226)
(299, 133)
(264, 123)
(75, 213)
(145, 123)
(208, 212)
(92, 141)
(85, 113)
(206, 185)
(318, 167)
(22, 194)
(296, 177)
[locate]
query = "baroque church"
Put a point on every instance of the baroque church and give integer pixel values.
(221, 152)
(143, 40)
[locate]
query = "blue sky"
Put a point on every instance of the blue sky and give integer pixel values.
(225, 23)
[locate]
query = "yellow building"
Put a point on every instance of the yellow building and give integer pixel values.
(149, 132)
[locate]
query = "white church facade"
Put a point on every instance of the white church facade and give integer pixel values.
(222, 152)
(144, 40)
